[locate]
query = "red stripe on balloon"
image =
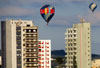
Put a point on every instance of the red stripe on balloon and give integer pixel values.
(47, 10)
(42, 11)
(52, 11)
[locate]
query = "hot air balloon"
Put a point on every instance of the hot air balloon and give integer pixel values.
(93, 6)
(47, 12)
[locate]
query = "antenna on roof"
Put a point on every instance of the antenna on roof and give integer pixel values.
(82, 20)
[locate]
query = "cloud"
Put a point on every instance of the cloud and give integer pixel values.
(97, 15)
(93, 18)
(27, 2)
(15, 11)
(75, 0)
(61, 21)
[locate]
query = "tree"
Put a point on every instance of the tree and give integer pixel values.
(59, 60)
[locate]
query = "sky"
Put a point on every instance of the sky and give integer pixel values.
(67, 13)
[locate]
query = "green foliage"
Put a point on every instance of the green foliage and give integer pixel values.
(59, 60)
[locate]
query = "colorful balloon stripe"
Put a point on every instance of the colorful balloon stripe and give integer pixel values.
(42, 11)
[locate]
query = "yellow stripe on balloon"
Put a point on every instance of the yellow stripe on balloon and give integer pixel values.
(46, 11)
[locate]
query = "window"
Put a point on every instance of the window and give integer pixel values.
(28, 25)
(18, 52)
(34, 59)
(27, 30)
(71, 53)
(23, 29)
(35, 64)
(30, 30)
(71, 40)
(18, 28)
(30, 50)
(30, 54)
(71, 31)
(30, 59)
(68, 40)
(71, 48)
(19, 42)
(34, 49)
(71, 62)
(23, 34)
(18, 33)
(18, 37)
(74, 31)
(74, 40)
(74, 48)
(68, 44)
(74, 52)
(71, 44)
(74, 35)
(68, 31)
(24, 54)
(34, 35)
(74, 44)
(18, 47)
(34, 30)
(71, 35)
(34, 54)
(29, 45)
(34, 44)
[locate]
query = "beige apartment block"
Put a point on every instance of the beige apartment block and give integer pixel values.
(0, 61)
(19, 43)
(78, 46)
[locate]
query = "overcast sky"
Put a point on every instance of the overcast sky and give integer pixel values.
(67, 13)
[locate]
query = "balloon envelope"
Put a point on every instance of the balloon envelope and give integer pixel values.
(93, 6)
(47, 12)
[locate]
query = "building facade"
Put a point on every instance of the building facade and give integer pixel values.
(19, 43)
(78, 46)
(44, 53)
(96, 63)
(0, 61)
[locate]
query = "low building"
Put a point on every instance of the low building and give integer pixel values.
(44, 54)
(96, 63)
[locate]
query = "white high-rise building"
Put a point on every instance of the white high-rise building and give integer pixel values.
(78, 46)
(19, 43)
(44, 53)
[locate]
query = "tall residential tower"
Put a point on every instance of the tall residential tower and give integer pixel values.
(78, 46)
(19, 42)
